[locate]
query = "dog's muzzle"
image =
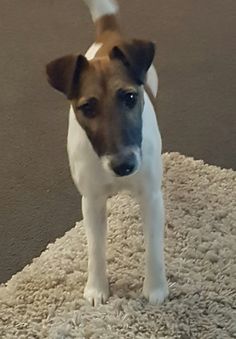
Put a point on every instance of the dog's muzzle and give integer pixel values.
(124, 163)
(123, 166)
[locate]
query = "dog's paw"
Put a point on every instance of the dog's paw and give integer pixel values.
(156, 296)
(96, 295)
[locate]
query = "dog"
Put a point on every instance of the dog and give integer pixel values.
(114, 142)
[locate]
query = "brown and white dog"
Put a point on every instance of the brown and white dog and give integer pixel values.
(114, 142)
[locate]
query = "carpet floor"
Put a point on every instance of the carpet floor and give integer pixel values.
(45, 299)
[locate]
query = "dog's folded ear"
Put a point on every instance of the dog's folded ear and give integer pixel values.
(137, 56)
(64, 73)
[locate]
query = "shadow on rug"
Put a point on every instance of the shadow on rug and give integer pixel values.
(45, 300)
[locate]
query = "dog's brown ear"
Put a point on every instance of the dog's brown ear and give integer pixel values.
(137, 56)
(64, 73)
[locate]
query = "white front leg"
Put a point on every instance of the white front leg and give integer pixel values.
(94, 213)
(155, 287)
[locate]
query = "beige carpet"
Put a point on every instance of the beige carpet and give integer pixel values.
(45, 299)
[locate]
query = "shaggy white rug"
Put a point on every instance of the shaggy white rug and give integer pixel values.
(45, 299)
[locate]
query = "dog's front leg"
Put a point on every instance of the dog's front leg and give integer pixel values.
(155, 287)
(94, 213)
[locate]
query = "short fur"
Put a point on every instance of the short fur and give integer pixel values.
(112, 134)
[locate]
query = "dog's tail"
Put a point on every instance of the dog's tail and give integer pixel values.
(103, 14)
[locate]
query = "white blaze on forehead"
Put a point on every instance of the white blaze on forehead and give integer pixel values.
(99, 8)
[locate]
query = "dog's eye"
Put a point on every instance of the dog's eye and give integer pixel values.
(128, 98)
(89, 108)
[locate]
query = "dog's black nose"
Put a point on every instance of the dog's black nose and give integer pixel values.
(124, 166)
(123, 169)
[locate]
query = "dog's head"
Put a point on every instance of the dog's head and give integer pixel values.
(107, 97)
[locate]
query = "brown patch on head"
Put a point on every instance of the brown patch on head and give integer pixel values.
(109, 106)
(106, 92)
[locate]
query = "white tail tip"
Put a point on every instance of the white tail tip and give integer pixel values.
(99, 8)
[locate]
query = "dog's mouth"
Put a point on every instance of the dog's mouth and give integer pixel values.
(123, 164)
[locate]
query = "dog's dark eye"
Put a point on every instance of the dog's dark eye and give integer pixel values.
(128, 98)
(89, 108)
